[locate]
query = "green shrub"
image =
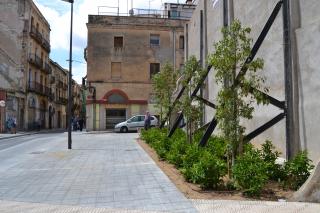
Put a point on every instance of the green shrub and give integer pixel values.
(208, 171)
(250, 171)
(152, 135)
(192, 156)
(274, 171)
(177, 150)
(297, 170)
(217, 146)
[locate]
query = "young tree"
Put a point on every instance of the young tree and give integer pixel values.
(164, 84)
(235, 101)
(192, 109)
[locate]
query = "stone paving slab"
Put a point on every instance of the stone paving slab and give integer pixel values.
(102, 170)
(14, 207)
(231, 206)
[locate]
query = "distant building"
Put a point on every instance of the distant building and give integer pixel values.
(58, 104)
(32, 86)
(123, 53)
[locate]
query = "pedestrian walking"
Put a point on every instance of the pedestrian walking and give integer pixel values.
(81, 121)
(147, 121)
(8, 124)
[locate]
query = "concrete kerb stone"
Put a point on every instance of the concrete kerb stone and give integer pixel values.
(13, 206)
(28, 133)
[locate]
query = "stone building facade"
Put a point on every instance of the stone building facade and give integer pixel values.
(14, 16)
(38, 70)
(123, 53)
(58, 105)
(32, 86)
(305, 18)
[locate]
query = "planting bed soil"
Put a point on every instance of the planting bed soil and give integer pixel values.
(272, 191)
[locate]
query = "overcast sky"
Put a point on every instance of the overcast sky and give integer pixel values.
(57, 13)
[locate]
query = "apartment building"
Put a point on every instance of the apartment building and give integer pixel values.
(123, 53)
(33, 89)
(58, 104)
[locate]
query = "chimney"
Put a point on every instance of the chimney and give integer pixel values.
(188, 1)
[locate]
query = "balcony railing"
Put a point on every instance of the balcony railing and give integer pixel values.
(36, 34)
(38, 88)
(65, 87)
(46, 45)
(61, 100)
(47, 68)
(59, 84)
(36, 60)
(52, 80)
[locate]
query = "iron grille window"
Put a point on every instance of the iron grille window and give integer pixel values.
(154, 69)
(154, 40)
(118, 42)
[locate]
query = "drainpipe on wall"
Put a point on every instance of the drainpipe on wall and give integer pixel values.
(186, 43)
(201, 63)
(174, 49)
(291, 146)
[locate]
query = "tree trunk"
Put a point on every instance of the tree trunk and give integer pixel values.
(310, 190)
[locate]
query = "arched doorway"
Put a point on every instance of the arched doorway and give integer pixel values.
(115, 114)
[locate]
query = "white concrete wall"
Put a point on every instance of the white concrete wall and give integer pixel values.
(308, 44)
(306, 73)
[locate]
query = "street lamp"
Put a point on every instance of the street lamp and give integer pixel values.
(70, 80)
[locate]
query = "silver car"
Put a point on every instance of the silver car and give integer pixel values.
(134, 123)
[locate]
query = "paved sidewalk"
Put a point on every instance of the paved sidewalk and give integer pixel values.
(102, 170)
(232, 206)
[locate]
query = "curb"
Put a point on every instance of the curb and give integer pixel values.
(31, 133)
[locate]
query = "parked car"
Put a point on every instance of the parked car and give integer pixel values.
(134, 123)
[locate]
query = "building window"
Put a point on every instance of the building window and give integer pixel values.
(181, 42)
(174, 14)
(115, 70)
(116, 99)
(30, 76)
(154, 69)
(118, 42)
(154, 40)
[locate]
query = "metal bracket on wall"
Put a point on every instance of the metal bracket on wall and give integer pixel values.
(242, 72)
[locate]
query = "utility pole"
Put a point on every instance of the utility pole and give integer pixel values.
(70, 99)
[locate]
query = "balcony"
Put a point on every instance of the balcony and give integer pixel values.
(46, 45)
(38, 88)
(65, 87)
(59, 84)
(52, 80)
(36, 60)
(34, 33)
(47, 68)
(51, 96)
(61, 100)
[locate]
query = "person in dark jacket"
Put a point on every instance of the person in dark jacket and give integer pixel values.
(81, 121)
(147, 121)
